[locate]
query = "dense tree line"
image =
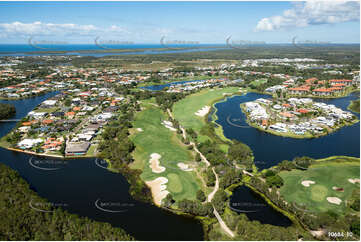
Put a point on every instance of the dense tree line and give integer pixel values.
(116, 147)
(166, 100)
(21, 222)
(240, 153)
(7, 110)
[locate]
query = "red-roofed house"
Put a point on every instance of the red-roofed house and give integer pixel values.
(343, 81)
(310, 81)
(322, 91)
(302, 110)
(299, 90)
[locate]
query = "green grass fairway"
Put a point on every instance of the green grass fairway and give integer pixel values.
(155, 138)
(184, 109)
(326, 173)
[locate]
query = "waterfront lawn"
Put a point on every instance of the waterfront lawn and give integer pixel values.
(155, 138)
(185, 109)
(326, 173)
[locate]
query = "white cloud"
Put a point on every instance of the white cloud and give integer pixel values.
(312, 13)
(39, 28)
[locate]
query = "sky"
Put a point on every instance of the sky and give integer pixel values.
(203, 22)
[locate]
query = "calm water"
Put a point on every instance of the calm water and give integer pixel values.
(79, 185)
(269, 149)
(244, 200)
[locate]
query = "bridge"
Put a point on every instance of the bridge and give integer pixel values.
(9, 120)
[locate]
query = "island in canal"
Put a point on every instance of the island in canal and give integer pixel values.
(296, 117)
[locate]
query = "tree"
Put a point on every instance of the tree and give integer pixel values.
(355, 228)
(168, 200)
(7, 110)
(269, 173)
(198, 157)
(303, 162)
(67, 102)
(274, 181)
(200, 196)
(240, 153)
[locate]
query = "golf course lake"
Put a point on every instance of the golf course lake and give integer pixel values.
(270, 149)
(244, 200)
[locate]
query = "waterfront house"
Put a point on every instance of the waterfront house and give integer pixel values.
(29, 143)
(76, 148)
(299, 90)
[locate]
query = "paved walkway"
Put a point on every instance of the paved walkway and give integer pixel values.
(222, 223)
(216, 187)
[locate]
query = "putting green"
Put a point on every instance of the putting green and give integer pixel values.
(318, 193)
(326, 173)
(174, 184)
(156, 138)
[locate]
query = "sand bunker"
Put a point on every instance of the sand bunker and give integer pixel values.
(307, 183)
(353, 181)
(158, 189)
(338, 189)
(169, 125)
(202, 112)
(139, 129)
(154, 163)
(334, 200)
(184, 167)
(318, 233)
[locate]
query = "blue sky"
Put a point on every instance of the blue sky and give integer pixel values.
(205, 22)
